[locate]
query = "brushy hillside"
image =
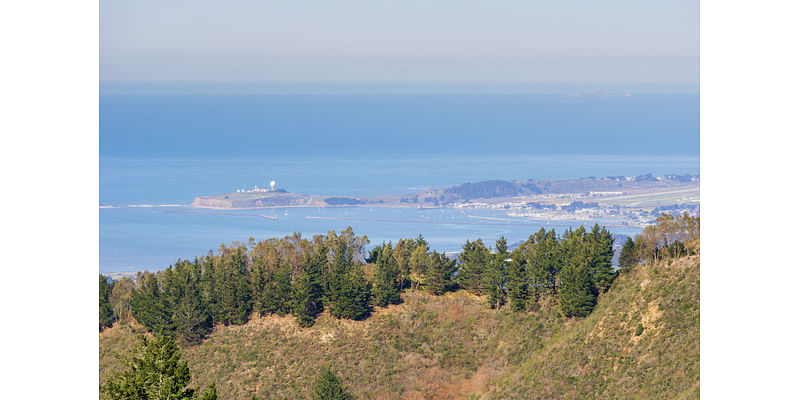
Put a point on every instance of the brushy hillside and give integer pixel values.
(641, 341)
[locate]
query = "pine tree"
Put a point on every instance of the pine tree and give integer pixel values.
(154, 370)
(190, 320)
(354, 298)
(543, 257)
(518, 281)
(329, 387)
(387, 279)
(348, 291)
(601, 253)
(149, 308)
(495, 275)
(576, 294)
(307, 289)
(283, 290)
(106, 311)
(439, 274)
(474, 258)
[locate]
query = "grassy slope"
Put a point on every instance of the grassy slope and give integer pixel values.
(454, 347)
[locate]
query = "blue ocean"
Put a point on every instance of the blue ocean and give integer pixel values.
(157, 152)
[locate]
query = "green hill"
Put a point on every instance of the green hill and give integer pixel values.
(641, 341)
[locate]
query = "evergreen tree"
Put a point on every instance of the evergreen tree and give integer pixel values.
(387, 279)
(329, 387)
(576, 294)
(543, 256)
(601, 252)
(353, 301)
(106, 311)
(307, 289)
(518, 281)
(473, 259)
(190, 320)
(283, 290)
(627, 256)
(348, 291)
(229, 286)
(189, 317)
(495, 275)
(149, 308)
(154, 370)
(439, 274)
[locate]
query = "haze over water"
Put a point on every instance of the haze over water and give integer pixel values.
(165, 150)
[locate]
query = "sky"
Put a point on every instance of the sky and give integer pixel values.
(446, 41)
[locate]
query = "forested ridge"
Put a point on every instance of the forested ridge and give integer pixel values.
(549, 273)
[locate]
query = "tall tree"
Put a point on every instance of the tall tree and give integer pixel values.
(601, 252)
(543, 256)
(348, 290)
(474, 258)
(283, 290)
(576, 295)
(518, 281)
(149, 308)
(307, 288)
(387, 279)
(439, 274)
(495, 275)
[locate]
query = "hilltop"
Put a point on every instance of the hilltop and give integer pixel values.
(641, 341)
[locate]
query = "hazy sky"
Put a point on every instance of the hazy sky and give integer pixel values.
(400, 40)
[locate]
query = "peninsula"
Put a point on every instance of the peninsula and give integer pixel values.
(627, 200)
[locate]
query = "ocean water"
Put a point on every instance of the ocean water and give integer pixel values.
(158, 152)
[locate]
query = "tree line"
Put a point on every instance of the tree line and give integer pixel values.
(303, 277)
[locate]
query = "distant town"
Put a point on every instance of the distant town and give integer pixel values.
(613, 200)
